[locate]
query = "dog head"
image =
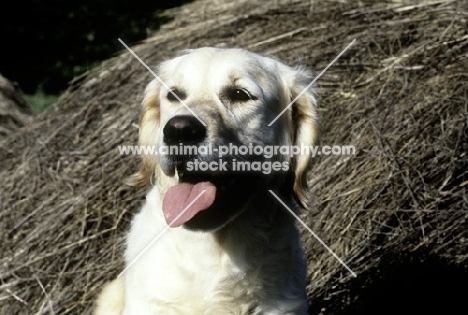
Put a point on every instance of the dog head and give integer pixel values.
(215, 98)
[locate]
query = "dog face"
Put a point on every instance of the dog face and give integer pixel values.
(224, 97)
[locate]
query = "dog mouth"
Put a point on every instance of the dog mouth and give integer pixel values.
(195, 192)
(208, 200)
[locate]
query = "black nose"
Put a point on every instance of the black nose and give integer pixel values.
(184, 129)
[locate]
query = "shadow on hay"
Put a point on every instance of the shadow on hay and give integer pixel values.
(402, 283)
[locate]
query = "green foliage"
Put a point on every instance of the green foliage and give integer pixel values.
(40, 101)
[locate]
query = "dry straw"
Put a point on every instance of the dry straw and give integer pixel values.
(399, 95)
(14, 110)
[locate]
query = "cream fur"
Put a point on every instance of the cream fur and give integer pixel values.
(254, 264)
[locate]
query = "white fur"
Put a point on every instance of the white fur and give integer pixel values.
(186, 272)
(255, 266)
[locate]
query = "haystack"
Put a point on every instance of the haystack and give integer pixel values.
(396, 212)
(14, 110)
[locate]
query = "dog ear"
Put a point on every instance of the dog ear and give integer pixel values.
(148, 135)
(305, 128)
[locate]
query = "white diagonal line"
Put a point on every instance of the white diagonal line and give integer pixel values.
(162, 82)
(313, 234)
(160, 234)
(313, 81)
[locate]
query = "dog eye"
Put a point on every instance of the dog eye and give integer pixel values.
(171, 97)
(239, 95)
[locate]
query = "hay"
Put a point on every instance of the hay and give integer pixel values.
(14, 110)
(399, 95)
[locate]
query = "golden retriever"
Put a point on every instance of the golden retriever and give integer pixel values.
(236, 249)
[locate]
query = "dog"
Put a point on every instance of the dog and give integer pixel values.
(236, 249)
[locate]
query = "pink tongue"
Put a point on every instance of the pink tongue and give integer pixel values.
(178, 198)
